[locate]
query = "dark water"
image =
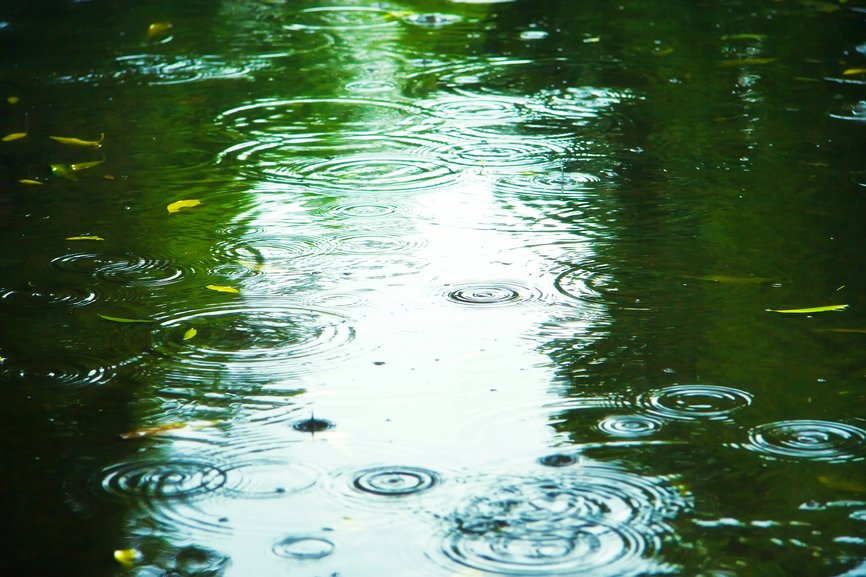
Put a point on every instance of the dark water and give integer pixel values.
(471, 288)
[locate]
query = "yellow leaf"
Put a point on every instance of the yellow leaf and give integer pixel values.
(663, 52)
(127, 557)
(189, 334)
(122, 320)
(746, 61)
(14, 136)
(83, 165)
(159, 29)
(151, 431)
(179, 204)
(854, 71)
(85, 237)
(223, 289)
(810, 310)
(78, 142)
(30, 181)
(12, 99)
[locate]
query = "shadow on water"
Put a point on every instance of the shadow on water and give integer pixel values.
(455, 288)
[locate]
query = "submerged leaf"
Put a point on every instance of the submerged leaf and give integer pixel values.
(843, 484)
(810, 310)
(159, 29)
(84, 165)
(14, 136)
(189, 334)
(744, 36)
(122, 320)
(127, 557)
(13, 99)
(71, 141)
(843, 331)
(746, 61)
(85, 237)
(222, 289)
(30, 181)
(179, 204)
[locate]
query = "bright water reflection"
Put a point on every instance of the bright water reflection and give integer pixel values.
(473, 288)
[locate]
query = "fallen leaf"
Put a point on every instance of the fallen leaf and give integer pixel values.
(123, 320)
(159, 29)
(127, 557)
(14, 136)
(746, 61)
(85, 237)
(222, 289)
(744, 36)
(30, 181)
(854, 71)
(85, 165)
(189, 334)
(810, 310)
(79, 142)
(13, 99)
(179, 204)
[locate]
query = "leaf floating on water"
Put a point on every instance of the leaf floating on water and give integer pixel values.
(189, 334)
(179, 204)
(30, 181)
(159, 29)
(85, 237)
(744, 36)
(663, 52)
(122, 320)
(13, 99)
(14, 136)
(85, 165)
(79, 142)
(810, 310)
(746, 61)
(853, 71)
(842, 484)
(222, 289)
(127, 557)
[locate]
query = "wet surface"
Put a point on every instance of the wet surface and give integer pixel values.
(474, 288)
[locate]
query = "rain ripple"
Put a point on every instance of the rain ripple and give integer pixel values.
(264, 341)
(630, 426)
(395, 481)
(61, 296)
(809, 440)
(596, 520)
(343, 18)
(128, 268)
(491, 294)
(268, 479)
(161, 479)
(64, 369)
(695, 402)
(303, 547)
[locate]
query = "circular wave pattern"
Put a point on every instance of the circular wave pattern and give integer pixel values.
(48, 297)
(808, 440)
(504, 154)
(382, 243)
(160, 69)
(366, 172)
(169, 479)
(268, 479)
(491, 294)
(558, 460)
(303, 547)
(432, 19)
(124, 268)
(262, 341)
(343, 18)
(695, 402)
(603, 285)
(63, 369)
(595, 520)
(630, 426)
(363, 209)
(395, 481)
(592, 548)
(554, 182)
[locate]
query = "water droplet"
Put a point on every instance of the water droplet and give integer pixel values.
(303, 547)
